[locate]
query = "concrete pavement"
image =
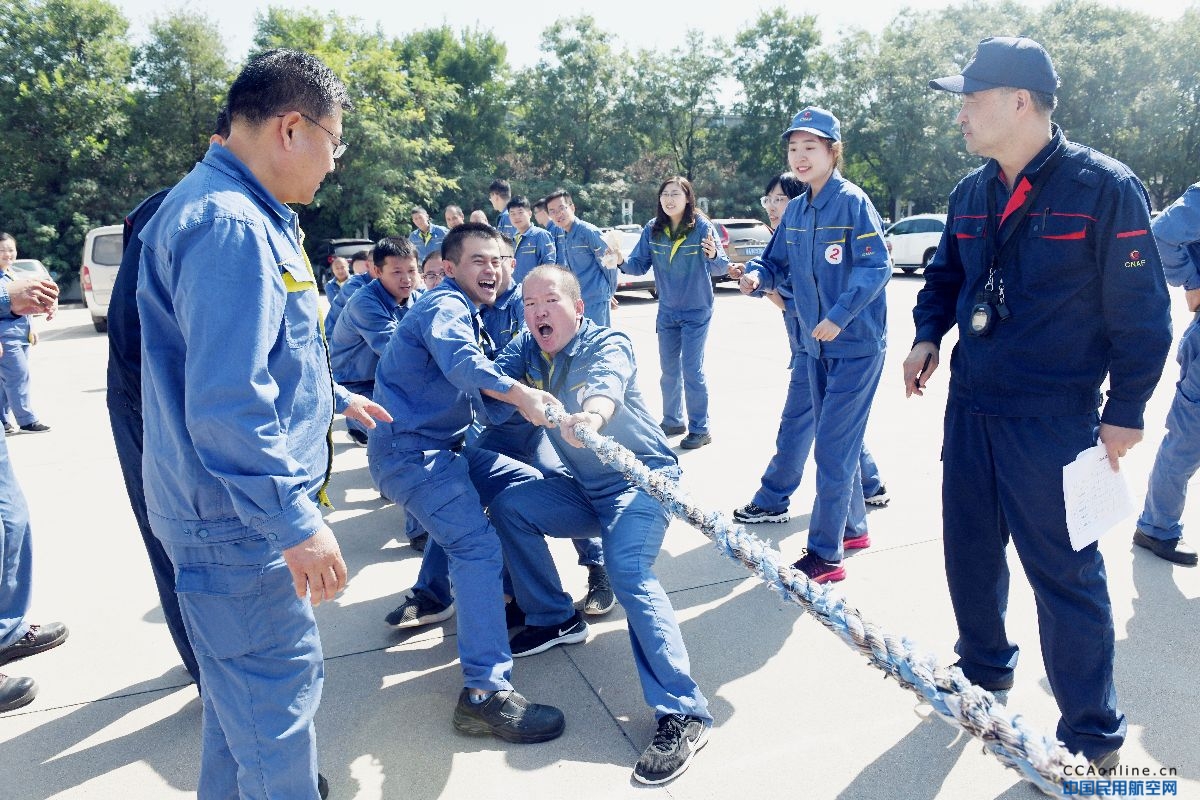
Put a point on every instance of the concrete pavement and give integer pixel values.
(797, 713)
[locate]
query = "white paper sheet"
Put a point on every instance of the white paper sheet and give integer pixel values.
(1096, 497)
(614, 255)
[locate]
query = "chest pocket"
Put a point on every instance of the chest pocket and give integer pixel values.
(1059, 248)
(969, 235)
(300, 314)
(1059, 227)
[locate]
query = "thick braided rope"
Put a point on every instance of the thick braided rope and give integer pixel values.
(1040, 759)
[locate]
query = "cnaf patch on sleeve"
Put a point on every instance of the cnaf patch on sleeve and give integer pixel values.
(1134, 258)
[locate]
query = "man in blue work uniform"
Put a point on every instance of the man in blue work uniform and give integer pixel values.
(425, 236)
(370, 317)
(432, 372)
(1048, 251)
(338, 304)
(238, 398)
(1159, 529)
(591, 371)
(532, 246)
(499, 193)
(18, 638)
(579, 246)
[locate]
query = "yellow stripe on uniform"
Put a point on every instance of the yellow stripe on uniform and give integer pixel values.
(293, 285)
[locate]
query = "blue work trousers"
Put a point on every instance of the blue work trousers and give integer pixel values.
(632, 525)
(1002, 478)
(261, 668)
(598, 310)
(14, 380)
(446, 492)
(842, 392)
(16, 554)
(126, 422)
(1178, 456)
(681, 339)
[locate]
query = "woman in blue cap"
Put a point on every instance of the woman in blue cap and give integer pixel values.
(682, 246)
(829, 253)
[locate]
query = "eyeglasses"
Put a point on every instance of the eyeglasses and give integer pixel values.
(339, 149)
(671, 195)
(433, 276)
(767, 200)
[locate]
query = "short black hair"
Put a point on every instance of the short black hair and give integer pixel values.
(361, 255)
(540, 203)
(280, 81)
(418, 210)
(434, 253)
(221, 128)
(508, 240)
(788, 183)
(557, 193)
(392, 246)
(520, 201)
(500, 187)
(452, 245)
(1044, 101)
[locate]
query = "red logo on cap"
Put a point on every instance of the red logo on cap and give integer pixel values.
(806, 115)
(1134, 256)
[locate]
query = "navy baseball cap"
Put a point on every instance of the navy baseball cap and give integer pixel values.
(817, 121)
(1016, 62)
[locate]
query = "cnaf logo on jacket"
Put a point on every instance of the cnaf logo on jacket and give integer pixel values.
(1135, 260)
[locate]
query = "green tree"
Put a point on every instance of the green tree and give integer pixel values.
(182, 77)
(1167, 114)
(64, 73)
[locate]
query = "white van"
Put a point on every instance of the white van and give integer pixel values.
(102, 251)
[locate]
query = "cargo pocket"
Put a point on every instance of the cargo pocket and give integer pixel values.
(219, 604)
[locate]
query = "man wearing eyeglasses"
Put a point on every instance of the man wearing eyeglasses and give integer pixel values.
(238, 399)
(579, 247)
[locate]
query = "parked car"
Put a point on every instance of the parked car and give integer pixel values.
(743, 239)
(630, 234)
(912, 241)
(102, 248)
(30, 268)
(325, 250)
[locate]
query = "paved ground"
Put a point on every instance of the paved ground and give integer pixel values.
(797, 713)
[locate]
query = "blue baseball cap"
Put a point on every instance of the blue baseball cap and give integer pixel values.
(816, 121)
(1015, 62)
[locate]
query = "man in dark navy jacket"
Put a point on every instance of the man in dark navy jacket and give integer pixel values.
(1049, 270)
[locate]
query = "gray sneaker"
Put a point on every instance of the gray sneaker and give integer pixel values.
(418, 610)
(600, 597)
(678, 739)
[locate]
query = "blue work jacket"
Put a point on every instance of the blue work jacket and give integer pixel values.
(1177, 232)
(598, 362)
(343, 295)
(829, 253)
(1082, 280)
(682, 273)
(427, 242)
(534, 247)
(580, 250)
(237, 395)
(366, 325)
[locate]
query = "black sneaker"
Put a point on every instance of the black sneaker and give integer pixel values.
(9, 430)
(510, 716)
(672, 430)
(419, 541)
(322, 786)
(694, 441)
(679, 738)
(514, 616)
(879, 499)
(600, 598)
(540, 638)
(997, 685)
(418, 610)
(750, 513)
(35, 427)
(818, 569)
(357, 436)
(38, 639)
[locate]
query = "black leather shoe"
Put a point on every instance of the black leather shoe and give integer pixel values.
(672, 430)
(1177, 551)
(510, 716)
(35, 427)
(16, 692)
(997, 685)
(37, 639)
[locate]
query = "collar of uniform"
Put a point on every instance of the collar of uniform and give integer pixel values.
(586, 328)
(1057, 140)
(831, 188)
(513, 293)
(221, 159)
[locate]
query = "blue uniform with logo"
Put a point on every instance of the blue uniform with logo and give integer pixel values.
(597, 499)
(1082, 277)
(428, 241)
(504, 224)
(580, 250)
(534, 247)
(683, 274)
(338, 303)
(429, 376)
(1177, 232)
(829, 253)
(237, 397)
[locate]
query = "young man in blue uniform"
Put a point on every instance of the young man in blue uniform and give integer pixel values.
(369, 319)
(425, 236)
(1159, 529)
(579, 246)
(499, 193)
(432, 372)
(238, 398)
(18, 638)
(532, 246)
(355, 282)
(16, 336)
(591, 371)
(1048, 251)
